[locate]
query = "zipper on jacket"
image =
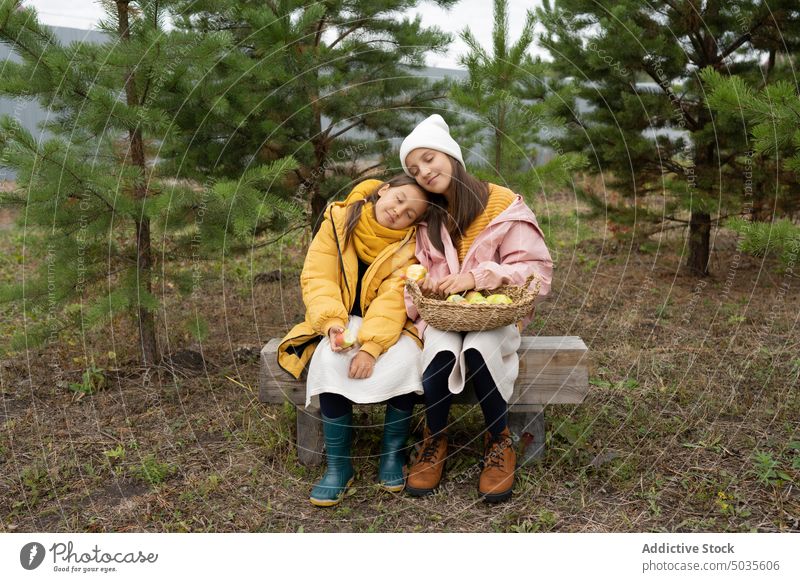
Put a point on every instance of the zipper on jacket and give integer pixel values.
(341, 260)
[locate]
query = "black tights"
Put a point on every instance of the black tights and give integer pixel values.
(438, 396)
(335, 405)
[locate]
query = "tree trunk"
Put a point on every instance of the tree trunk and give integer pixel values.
(144, 255)
(699, 243)
(498, 151)
(318, 202)
(499, 131)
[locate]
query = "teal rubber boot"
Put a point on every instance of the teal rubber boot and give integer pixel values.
(338, 477)
(393, 454)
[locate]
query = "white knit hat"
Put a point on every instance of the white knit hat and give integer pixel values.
(432, 133)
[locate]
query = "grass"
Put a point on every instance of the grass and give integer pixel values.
(691, 423)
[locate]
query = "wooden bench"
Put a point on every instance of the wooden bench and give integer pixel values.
(552, 370)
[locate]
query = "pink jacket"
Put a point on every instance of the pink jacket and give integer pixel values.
(509, 249)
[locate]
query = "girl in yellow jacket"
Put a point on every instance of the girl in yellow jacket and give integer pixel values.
(352, 280)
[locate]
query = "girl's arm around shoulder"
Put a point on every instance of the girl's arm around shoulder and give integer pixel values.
(522, 252)
(385, 316)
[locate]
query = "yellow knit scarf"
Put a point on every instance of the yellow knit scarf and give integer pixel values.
(370, 238)
(500, 198)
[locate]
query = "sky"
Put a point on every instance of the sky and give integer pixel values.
(473, 14)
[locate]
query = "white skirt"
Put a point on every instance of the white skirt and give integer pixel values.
(397, 371)
(497, 346)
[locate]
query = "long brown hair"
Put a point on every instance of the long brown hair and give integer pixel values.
(468, 199)
(354, 210)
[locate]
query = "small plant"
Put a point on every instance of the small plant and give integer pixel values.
(795, 448)
(34, 479)
(152, 471)
(767, 469)
(92, 381)
(545, 521)
(116, 454)
(724, 503)
(663, 310)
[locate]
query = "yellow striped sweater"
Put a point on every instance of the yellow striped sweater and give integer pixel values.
(500, 198)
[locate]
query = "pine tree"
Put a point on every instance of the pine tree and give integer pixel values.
(94, 196)
(770, 117)
(505, 107)
(303, 75)
(648, 125)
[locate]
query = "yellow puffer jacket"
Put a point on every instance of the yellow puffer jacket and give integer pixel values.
(329, 280)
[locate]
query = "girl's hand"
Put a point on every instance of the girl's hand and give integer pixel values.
(332, 333)
(428, 286)
(456, 283)
(362, 365)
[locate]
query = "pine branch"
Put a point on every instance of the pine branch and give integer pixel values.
(743, 38)
(690, 122)
(359, 23)
(369, 169)
(331, 137)
(274, 240)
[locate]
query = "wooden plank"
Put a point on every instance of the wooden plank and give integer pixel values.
(542, 343)
(310, 440)
(528, 430)
(274, 384)
(553, 370)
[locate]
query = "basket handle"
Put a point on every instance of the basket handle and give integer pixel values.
(413, 290)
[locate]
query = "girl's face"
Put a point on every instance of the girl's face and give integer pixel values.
(431, 169)
(398, 207)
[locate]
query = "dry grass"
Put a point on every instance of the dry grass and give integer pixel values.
(690, 424)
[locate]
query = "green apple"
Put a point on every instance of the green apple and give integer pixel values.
(416, 273)
(499, 299)
(474, 297)
(456, 299)
(345, 340)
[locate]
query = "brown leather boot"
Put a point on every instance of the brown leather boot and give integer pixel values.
(426, 472)
(499, 462)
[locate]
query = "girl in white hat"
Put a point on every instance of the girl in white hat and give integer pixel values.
(487, 237)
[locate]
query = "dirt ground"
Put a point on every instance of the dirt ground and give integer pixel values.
(691, 423)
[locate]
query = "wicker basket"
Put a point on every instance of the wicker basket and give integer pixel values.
(450, 316)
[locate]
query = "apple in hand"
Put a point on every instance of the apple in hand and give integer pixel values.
(455, 299)
(416, 273)
(345, 339)
(499, 299)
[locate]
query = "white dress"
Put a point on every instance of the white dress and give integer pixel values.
(397, 371)
(497, 346)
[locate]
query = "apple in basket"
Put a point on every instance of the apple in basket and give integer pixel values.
(474, 297)
(416, 273)
(344, 339)
(455, 299)
(499, 299)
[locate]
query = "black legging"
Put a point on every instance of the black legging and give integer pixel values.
(335, 405)
(438, 396)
